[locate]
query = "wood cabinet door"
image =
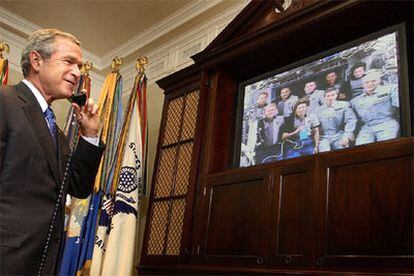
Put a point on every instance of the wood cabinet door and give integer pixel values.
(170, 212)
(236, 230)
(293, 215)
(366, 208)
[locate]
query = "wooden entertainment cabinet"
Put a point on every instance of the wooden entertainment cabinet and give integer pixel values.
(342, 212)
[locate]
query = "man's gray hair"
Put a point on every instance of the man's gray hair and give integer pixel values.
(41, 41)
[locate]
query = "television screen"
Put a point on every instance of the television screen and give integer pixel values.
(342, 98)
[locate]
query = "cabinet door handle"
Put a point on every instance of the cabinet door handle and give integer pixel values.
(319, 261)
(188, 252)
(288, 259)
(260, 260)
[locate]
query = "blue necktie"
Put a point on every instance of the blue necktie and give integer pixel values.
(51, 120)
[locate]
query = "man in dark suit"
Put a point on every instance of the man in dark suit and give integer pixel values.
(34, 176)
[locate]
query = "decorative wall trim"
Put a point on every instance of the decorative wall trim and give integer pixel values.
(176, 54)
(173, 21)
(16, 47)
(26, 27)
(17, 22)
(163, 61)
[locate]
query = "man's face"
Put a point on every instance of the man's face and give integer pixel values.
(359, 72)
(59, 75)
(285, 93)
(310, 87)
(331, 78)
(262, 99)
(271, 112)
(330, 97)
(370, 82)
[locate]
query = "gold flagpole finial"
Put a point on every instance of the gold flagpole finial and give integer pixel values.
(86, 67)
(141, 64)
(116, 63)
(4, 47)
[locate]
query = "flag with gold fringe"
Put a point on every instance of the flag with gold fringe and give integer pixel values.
(76, 209)
(122, 203)
(110, 111)
(4, 65)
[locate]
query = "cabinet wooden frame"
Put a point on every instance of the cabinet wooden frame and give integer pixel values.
(255, 43)
(190, 82)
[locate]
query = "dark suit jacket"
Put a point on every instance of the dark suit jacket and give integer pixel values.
(31, 172)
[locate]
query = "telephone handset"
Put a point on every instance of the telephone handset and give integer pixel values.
(79, 99)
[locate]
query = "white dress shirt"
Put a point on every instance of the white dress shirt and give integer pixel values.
(43, 105)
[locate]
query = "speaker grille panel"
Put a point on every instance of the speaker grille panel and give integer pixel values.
(176, 227)
(172, 177)
(173, 124)
(183, 169)
(190, 116)
(165, 172)
(158, 228)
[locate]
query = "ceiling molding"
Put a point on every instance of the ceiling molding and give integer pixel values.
(173, 21)
(163, 60)
(166, 25)
(176, 54)
(17, 22)
(26, 27)
(16, 47)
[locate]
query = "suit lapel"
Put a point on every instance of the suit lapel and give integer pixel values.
(38, 123)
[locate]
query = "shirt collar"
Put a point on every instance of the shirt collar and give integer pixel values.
(39, 97)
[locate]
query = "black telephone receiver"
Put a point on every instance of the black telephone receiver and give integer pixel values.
(79, 99)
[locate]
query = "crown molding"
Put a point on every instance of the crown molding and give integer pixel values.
(174, 20)
(176, 54)
(164, 60)
(16, 47)
(26, 27)
(17, 22)
(166, 25)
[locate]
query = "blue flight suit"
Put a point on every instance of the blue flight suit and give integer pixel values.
(316, 99)
(377, 113)
(356, 87)
(336, 122)
(286, 107)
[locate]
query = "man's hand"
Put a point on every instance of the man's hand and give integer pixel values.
(88, 118)
(344, 142)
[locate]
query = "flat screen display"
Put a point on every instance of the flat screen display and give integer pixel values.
(342, 98)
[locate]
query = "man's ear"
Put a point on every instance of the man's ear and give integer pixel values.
(35, 60)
